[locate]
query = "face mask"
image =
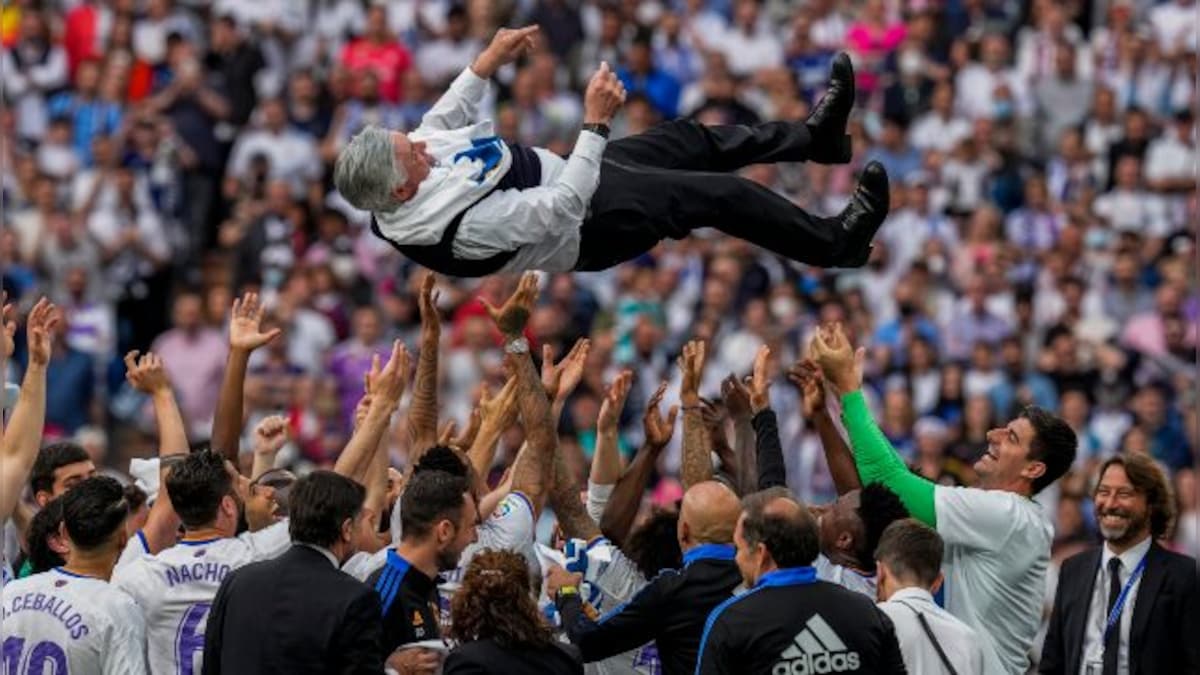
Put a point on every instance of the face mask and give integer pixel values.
(910, 63)
(783, 308)
(1002, 109)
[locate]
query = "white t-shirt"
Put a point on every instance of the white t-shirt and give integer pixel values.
(176, 587)
(510, 528)
(997, 552)
(845, 577)
(59, 622)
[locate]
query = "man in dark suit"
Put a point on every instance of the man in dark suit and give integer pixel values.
(299, 613)
(1128, 607)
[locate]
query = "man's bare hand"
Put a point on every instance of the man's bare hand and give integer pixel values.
(270, 435)
(557, 577)
(8, 327)
(508, 45)
(39, 330)
(808, 378)
(841, 364)
(512, 317)
(387, 384)
(658, 431)
(147, 374)
(415, 661)
(245, 332)
(561, 379)
(604, 96)
(691, 364)
(760, 381)
(431, 321)
(499, 412)
(614, 402)
(736, 397)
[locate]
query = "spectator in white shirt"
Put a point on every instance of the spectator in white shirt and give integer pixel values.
(291, 155)
(939, 129)
(979, 84)
(909, 560)
(441, 60)
(1170, 165)
(1175, 26)
(1063, 97)
(1129, 206)
(31, 69)
(750, 45)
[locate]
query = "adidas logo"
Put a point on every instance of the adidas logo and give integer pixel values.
(816, 650)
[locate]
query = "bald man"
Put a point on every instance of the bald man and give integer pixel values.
(789, 621)
(672, 608)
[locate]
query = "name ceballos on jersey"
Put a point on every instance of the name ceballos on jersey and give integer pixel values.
(816, 650)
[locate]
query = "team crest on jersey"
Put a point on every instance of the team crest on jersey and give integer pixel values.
(502, 510)
(200, 553)
(60, 583)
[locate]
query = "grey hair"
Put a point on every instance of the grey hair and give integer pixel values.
(366, 172)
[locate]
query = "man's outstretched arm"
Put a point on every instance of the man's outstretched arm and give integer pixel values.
(423, 411)
(23, 436)
(459, 106)
(245, 336)
(807, 376)
(148, 375)
(626, 497)
(874, 455)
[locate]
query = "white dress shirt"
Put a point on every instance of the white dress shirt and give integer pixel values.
(1093, 638)
(958, 640)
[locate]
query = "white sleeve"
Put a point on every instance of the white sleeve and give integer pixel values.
(125, 653)
(459, 106)
(268, 542)
(510, 526)
(510, 219)
(979, 519)
(135, 549)
(613, 572)
(53, 73)
(597, 499)
(15, 82)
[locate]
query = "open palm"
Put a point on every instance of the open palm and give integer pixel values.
(245, 326)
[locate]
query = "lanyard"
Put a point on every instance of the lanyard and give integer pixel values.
(1115, 614)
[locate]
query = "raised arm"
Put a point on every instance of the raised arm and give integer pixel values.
(560, 380)
(269, 438)
(626, 499)
(534, 468)
(496, 414)
(808, 378)
(459, 106)
(384, 387)
(245, 336)
(697, 453)
(8, 331)
(23, 437)
(874, 456)
(149, 376)
(423, 413)
(606, 460)
(737, 401)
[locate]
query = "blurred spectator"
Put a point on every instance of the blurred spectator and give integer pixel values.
(32, 69)
(440, 61)
(194, 355)
(379, 52)
(749, 44)
(640, 76)
(1062, 97)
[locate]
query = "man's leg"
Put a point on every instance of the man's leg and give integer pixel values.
(687, 145)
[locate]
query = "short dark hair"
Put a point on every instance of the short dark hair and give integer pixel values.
(442, 458)
(52, 458)
(912, 551)
(320, 503)
(430, 496)
(44, 524)
(135, 497)
(878, 508)
(1054, 444)
(196, 486)
(93, 511)
(654, 545)
(1147, 477)
(791, 539)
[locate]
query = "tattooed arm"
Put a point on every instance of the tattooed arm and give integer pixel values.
(697, 453)
(422, 413)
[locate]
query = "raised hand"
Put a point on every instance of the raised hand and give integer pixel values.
(658, 431)
(841, 364)
(560, 380)
(512, 317)
(508, 45)
(446, 436)
(499, 412)
(604, 96)
(713, 415)
(760, 381)
(808, 379)
(467, 438)
(431, 321)
(736, 397)
(8, 327)
(691, 363)
(147, 374)
(387, 384)
(245, 325)
(39, 328)
(614, 402)
(270, 435)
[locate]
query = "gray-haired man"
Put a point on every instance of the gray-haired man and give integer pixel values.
(455, 198)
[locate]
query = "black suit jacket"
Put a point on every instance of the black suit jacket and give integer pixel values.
(485, 656)
(294, 614)
(1166, 619)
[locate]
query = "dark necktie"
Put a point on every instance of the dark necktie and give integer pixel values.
(1112, 641)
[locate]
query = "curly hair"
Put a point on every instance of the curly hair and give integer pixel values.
(654, 546)
(496, 602)
(1149, 479)
(878, 507)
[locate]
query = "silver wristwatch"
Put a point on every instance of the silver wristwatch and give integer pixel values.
(518, 346)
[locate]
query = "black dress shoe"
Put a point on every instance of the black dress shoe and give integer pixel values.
(827, 121)
(863, 216)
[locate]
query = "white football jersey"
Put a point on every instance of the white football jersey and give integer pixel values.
(510, 528)
(849, 579)
(59, 622)
(176, 587)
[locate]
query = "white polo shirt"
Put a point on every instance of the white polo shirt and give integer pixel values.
(960, 643)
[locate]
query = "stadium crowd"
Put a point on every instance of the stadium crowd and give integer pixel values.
(162, 158)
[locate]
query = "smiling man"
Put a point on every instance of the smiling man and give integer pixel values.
(997, 538)
(456, 198)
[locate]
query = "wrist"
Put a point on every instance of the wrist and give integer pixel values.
(601, 129)
(566, 591)
(689, 400)
(593, 118)
(484, 66)
(163, 394)
(759, 405)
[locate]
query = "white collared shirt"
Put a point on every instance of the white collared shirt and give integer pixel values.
(958, 640)
(323, 551)
(1093, 638)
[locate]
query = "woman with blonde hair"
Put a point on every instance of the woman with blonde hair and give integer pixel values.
(497, 626)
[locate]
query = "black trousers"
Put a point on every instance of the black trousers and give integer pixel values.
(677, 177)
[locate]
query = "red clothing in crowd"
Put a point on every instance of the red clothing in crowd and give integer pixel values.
(388, 60)
(81, 38)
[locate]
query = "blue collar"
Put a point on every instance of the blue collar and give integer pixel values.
(709, 552)
(788, 576)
